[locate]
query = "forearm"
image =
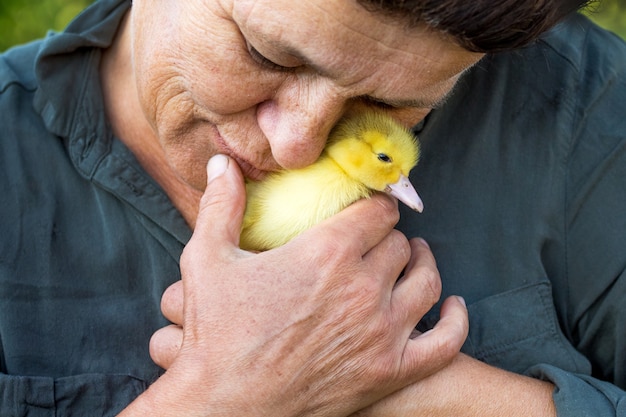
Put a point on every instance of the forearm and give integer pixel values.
(469, 388)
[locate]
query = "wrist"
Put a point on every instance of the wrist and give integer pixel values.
(169, 397)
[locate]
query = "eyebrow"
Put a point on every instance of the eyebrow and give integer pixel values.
(290, 50)
(419, 103)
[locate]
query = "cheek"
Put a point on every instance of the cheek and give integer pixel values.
(204, 59)
(189, 161)
(225, 86)
(222, 78)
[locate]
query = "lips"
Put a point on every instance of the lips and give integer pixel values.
(247, 168)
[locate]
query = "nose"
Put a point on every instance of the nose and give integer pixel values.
(297, 119)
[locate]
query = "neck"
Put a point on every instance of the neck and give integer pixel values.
(129, 123)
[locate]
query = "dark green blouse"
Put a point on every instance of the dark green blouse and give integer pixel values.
(523, 175)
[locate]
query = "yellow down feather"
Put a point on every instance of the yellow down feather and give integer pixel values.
(366, 152)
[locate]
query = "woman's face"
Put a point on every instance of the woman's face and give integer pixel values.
(264, 81)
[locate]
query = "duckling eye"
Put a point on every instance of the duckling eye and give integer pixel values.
(384, 157)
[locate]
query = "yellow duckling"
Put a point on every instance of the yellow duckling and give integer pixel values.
(366, 152)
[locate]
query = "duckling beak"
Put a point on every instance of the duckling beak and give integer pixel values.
(404, 191)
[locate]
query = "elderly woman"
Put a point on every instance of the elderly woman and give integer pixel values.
(125, 144)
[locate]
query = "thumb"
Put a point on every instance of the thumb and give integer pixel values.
(222, 205)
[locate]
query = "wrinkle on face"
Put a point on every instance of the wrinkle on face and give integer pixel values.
(203, 93)
(431, 62)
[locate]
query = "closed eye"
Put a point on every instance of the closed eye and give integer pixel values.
(263, 61)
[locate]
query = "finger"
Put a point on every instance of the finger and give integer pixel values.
(222, 205)
(419, 288)
(218, 225)
(165, 344)
(172, 303)
(387, 259)
(361, 225)
(432, 350)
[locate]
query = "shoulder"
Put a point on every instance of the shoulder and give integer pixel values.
(593, 58)
(576, 57)
(18, 85)
(21, 124)
(30, 155)
(582, 43)
(17, 67)
(569, 84)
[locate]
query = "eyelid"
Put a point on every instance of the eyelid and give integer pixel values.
(413, 104)
(379, 103)
(262, 60)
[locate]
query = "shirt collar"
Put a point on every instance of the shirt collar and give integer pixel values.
(69, 98)
(70, 101)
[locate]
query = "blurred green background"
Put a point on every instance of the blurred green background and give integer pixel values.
(610, 14)
(24, 20)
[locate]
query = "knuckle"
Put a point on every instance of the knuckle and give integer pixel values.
(387, 209)
(447, 346)
(167, 299)
(334, 254)
(401, 245)
(172, 302)
(194, 259)
(215, 197)
(431, 283)
(385, 370)
(163, 347)
(187, 258)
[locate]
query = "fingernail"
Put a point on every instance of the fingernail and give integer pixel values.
(216, 167)
(423, 242)
(461, 300)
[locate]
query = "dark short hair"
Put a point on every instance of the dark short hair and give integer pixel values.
(481, 25)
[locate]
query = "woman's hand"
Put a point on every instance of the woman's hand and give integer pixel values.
(316, 327)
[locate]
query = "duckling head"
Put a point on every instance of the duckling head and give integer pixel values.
(375, 150)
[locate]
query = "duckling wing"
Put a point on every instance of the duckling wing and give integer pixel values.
(288, 203)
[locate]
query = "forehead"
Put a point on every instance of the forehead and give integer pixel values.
(352, 45)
